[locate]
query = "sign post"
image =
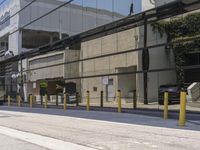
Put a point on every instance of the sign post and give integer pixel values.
(43, 89)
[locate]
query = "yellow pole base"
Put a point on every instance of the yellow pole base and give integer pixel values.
(65, 102)
(182, 109)
(19, 101)
(8, 101)
(165, 116)
(119, 99)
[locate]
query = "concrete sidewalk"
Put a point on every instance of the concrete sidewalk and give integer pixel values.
(100, 130)
(35, 141)
(9, 143)
(126, 118)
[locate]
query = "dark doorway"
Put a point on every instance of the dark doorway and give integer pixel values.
(192, 75)
(70, 88)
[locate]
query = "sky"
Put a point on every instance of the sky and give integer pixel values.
(120, 6)
(2, 2)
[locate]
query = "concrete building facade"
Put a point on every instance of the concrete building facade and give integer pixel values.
(66, 21)
(124, 63)
(75, 19)
(17, 37)
(54, 74)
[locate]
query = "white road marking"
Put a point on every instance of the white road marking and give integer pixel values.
(136, 142)
(43, 141)
(146, 143)
(154, 146)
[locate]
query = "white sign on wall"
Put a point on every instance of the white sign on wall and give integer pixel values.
(34, 85)
(105, 80)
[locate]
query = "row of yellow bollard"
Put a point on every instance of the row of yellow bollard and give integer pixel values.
(182, 107)
(18, 101)
(119, 101)
(65, 101)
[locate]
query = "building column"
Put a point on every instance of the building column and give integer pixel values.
(20, 42)
(145, 62)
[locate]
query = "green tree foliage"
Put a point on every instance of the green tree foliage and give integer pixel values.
(183, 28)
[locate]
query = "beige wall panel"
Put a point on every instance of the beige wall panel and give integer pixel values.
(109, 44)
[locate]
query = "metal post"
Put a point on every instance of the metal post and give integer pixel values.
(165, 115)
(65, 101)
(31, 101)
(46, 101)
(145, 62)
(182, 109)
(119, 100)
(8, 101)
(134, 99)
(77, 99)
(21, 80)
(102, 99)
(56, 99)
(88, 100)
(41, 98)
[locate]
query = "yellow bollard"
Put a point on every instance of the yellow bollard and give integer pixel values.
(8, 101)
(182, 109)
(88, 101)
(166, 95)
(65, 102)
(19, 100)
(119, 100)
(46, 101)
(31, 101)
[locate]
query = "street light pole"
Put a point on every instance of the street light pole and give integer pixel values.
(145, 62)
(21, 81)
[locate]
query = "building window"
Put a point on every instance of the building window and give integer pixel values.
(110, 81)
(193, 59)
(95, 89)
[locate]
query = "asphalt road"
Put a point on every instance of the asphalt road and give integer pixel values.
(75, 129)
